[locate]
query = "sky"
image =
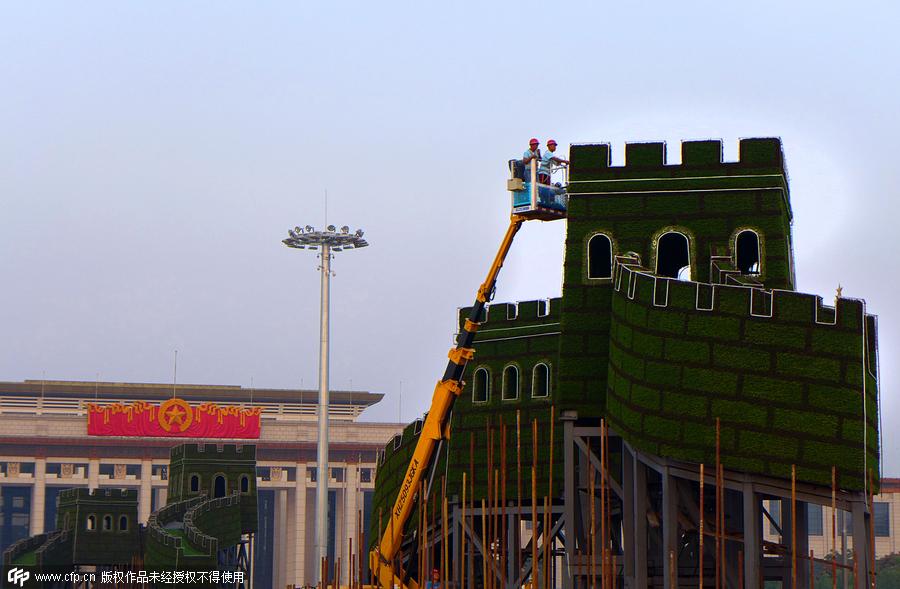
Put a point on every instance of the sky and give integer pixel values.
(154, 154)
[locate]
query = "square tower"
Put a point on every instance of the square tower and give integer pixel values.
(215, 471)
(103, 522)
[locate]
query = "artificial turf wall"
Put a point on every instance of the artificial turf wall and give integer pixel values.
(792, 381)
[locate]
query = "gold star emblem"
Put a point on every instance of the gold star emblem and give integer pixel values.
(175, 413)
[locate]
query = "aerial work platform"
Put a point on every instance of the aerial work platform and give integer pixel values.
(532, 199)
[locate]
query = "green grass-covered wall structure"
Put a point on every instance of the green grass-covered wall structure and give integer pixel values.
(792, 380)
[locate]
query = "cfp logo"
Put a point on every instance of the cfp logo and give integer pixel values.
(18, 576)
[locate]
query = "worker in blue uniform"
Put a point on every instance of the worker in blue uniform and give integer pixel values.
(548, 160)
(532, 153)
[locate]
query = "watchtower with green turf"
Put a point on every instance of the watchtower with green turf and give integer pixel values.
(793, 380)
(103, 523)
(215, 471)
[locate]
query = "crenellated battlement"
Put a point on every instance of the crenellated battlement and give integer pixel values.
(793, 380)
(519, 314)
(695, 155)
(81, 494)
(639, 283)
(218, 451)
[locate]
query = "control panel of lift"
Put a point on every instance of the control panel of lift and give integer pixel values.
(532, 199)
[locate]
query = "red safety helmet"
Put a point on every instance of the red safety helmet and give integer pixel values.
(533, 141)
(551, 142)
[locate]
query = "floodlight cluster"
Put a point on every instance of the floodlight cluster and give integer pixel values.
(336, 240)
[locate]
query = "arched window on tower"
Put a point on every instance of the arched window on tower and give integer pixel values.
(510, 383)
(599, 256)
(219, 487)
(540, 381)
(195, 483)
(673, 256)
(746, 247)
(481, 388)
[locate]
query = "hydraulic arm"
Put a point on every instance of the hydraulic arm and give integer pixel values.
(382, 559)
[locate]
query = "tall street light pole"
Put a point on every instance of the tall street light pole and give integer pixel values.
(327, 241)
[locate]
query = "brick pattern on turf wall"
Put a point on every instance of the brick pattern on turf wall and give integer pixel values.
(788, 389)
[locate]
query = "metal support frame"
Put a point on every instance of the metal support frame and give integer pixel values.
(476, 553)
(654, 512)
(649, 482)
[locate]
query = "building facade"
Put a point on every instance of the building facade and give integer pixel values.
(832, 534)
(45, 448)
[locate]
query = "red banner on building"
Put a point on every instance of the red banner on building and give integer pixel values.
(174, 418)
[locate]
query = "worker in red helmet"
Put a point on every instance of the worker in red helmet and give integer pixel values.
(435, 582)
(532, 153)
(548, 161)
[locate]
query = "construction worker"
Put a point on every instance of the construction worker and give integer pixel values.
(549, 159)
(435, 582)
(532, 153)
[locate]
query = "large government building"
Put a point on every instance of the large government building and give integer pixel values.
(45, 447)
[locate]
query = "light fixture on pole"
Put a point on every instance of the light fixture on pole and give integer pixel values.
(326, 242)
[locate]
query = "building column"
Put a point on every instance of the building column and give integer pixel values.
(802, 524)
(38, 496)
(752, 536)
(787, 521)
(279, 574)
(300, 525)
(93, 473)
(569, 494)
(351, 484)
(145, 494)
(861, 521)
(628, 516)
(640, 524)
(669, 526)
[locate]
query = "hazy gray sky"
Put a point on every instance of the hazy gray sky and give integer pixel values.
(153, 155)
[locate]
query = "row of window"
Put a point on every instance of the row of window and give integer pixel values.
(106, 523)
(816, 525)
(510, 385)
(673, 255)
(481, 391)
(220, 485)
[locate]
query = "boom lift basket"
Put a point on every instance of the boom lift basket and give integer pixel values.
(532, 199)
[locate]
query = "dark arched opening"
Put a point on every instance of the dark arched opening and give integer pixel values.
(747, 252)
(195, 483)
(540, 381)
(510, 383)
(219, 489)
(245, 484)
(599, 257)
(673, 257)
(481, 387)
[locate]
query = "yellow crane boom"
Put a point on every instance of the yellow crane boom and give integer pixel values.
(435, 428)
